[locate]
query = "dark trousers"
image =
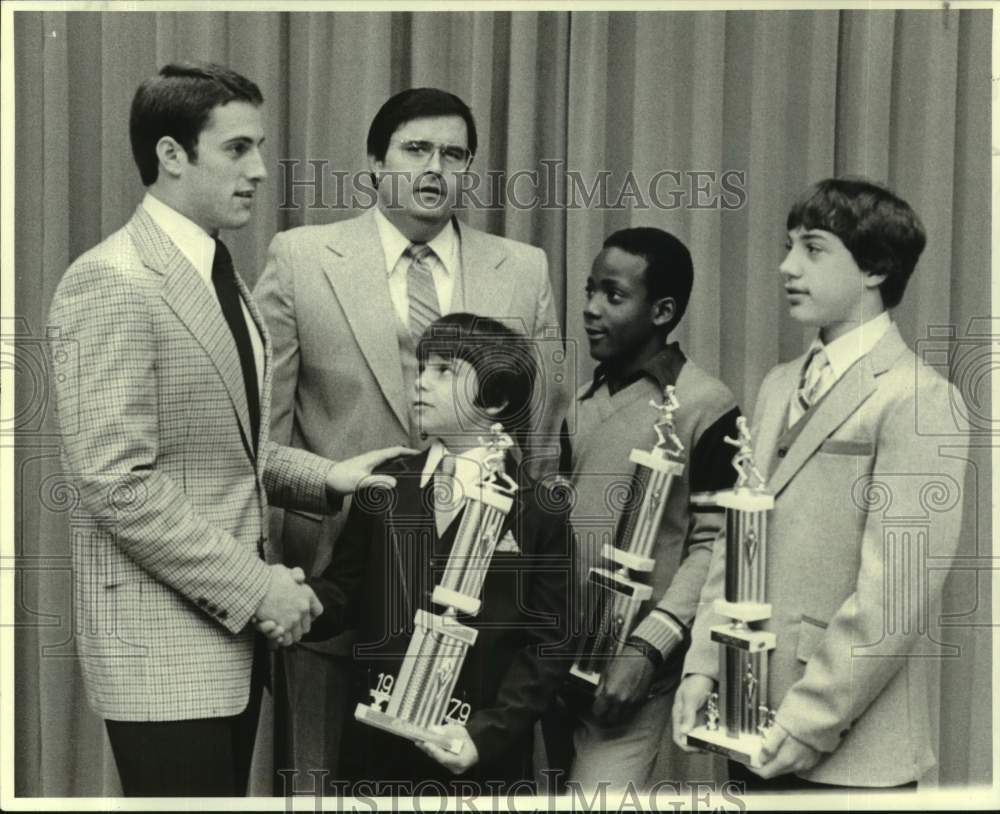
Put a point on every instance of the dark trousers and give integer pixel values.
(790, 782)
(204, 757)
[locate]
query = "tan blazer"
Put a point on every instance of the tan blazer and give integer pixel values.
(170, 514)
(338, 383)
(868, 491)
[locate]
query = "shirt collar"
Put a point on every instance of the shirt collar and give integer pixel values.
(847, 349)
(663, 368)
(469, 468)
(394, 243)
(194, 242)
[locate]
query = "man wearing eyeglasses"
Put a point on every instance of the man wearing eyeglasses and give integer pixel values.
(345, 304)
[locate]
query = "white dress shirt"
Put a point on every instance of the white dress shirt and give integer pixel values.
(198, 247)
(847, 349)
(469, 471)
(445, 270)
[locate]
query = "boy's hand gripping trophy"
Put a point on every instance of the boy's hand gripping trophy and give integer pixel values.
(741, 703)
(616, 595)
(420, 697)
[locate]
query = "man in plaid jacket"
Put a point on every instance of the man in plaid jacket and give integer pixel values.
(165, 425)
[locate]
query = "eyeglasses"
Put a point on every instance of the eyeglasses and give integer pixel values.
(418, 152)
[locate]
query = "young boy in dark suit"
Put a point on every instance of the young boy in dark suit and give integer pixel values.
(853, 526)
(637, 292)
(474, 372)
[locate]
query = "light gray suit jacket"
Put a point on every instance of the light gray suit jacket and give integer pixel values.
(865, 525)
(338, 383)
(170, 514)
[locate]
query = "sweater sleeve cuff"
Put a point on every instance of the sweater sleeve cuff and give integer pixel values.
(661, 631)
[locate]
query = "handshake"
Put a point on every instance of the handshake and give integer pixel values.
(286, 612)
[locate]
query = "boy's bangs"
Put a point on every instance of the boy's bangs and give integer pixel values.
(820, 211)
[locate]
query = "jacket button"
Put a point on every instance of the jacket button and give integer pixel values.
(202, 602)
(223, 614)
(782, 452)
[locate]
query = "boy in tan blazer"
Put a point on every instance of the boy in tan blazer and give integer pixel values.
(863, 502)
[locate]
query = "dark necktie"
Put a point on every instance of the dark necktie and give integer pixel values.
(224, 280)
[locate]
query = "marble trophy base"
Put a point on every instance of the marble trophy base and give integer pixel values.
(743, 748)
(405, 729)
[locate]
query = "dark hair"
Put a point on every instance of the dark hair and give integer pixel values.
(669, 270)
(416, 103)
(504, 361)
(177, 103)
(879, 229)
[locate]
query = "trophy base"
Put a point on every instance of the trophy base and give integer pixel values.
(752, 641)
(644, 565)
(611, 581)
(745, 500)
(588, 677)
(447, 598)
(397, 726)
(742, 748)
(743, 611)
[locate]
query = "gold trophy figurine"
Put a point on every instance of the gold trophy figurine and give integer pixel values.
(421, 696)
(740, 705)
(617, 594)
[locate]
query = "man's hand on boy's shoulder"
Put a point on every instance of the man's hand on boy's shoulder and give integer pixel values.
(345, 476)
(624, 686)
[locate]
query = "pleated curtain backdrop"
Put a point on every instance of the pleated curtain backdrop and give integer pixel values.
(776, 99)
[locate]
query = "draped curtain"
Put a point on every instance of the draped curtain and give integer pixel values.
(769, 101)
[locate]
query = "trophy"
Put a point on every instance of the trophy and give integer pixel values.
(420, 697)
(740, 705)
(617, 594)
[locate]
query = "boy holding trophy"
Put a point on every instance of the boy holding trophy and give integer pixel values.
(650, 430)
(456, 581)
(862, 502)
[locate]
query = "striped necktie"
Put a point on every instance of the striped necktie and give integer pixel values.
(816, 378)
(445, 493)
(420, 289)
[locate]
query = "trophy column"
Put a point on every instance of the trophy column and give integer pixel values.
(421, 696)
(617, 594)
(741, 702)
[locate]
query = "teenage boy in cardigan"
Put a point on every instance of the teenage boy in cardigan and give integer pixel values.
(854, 671)
(637, 292)
(474, 372)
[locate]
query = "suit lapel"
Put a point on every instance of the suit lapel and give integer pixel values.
(355, 267)
(774, 417)
(846, 396)
(486, 290)
(185, 292)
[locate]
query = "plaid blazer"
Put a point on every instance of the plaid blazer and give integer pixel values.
(171, 502)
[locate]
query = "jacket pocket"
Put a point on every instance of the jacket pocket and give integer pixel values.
(833, 446)
(811, 633)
